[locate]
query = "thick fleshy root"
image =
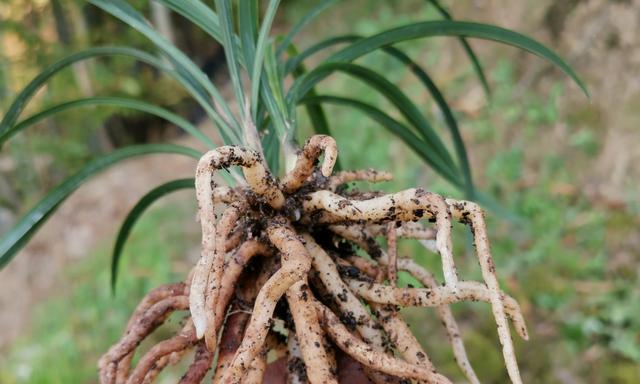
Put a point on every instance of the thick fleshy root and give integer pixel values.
(279, 276)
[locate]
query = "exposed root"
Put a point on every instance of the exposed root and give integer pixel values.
(366, 355)
(317, 294)
(310, 336)
(369, 175)
(312, 149)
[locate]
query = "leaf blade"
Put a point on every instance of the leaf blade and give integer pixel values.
(475, 62)
(17, 236)
(455, 28)
(184, 65)
(135, 213)
(394, 126)
(387, 89)
(122, 102)
(20, 102)
(261, 46)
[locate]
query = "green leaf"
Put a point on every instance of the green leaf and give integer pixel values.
(397, 128)
(271, 147)
(306, 19)
(122, 102)
(225, 14)
(21, 232)
(20, 102)
(135, 213)
(185, 66)
(199, 14)
(248, 29)
(453, 28)
(261, 47)
(295, 61)
(387, 89)
(316, 112)
(449, 118)
(431, 87)
(272, 95)
(18, 105)
(475, 62)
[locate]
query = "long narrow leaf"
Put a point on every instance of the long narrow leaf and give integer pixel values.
(225, 13)
(475, 62)
(304, 21)
(127, 14)
(272, 94)
(425, 79)
(296, 60)
(248, 30)
(395, 127)
(121, 102)
(14, 239)
(199, 14)
(135, 213)
(454, 28)
(20, 102)
(261, 47)
(449, 118)
(387, 89)
(30, 90)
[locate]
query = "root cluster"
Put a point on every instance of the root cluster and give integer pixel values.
(279, 279)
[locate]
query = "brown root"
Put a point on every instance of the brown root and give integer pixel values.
(312, 300)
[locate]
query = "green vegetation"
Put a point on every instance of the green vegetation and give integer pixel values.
(556, 255)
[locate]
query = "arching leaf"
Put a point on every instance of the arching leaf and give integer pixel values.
(183, 64)
(14, 239)
(454, 28)
(397, 128)
(122, 102)
(135, 213)
(387, 89)
(431, 87)
(303, 22)
(20, 102)
(475, 62)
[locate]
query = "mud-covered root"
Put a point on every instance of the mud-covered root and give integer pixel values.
(120, 371)
(295, 266)
(311, 151)
(141, 327)
(147, 364)
(368, 175)
(200, 365)
(326, 298)
(208, 268)
(367, 356)
(471, 214)
(231, 339)
(346, 301)
(309, 334)
(409, 205)
(214, 281)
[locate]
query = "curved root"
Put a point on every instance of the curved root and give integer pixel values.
(254, 304)
(307, 156)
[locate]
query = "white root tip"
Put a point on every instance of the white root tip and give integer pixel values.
(200, 324)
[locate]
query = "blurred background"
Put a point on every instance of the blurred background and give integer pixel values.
(567, 166)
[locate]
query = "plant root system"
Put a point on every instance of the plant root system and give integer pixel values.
(279, 279)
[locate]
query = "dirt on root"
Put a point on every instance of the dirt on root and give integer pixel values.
(600, 38)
